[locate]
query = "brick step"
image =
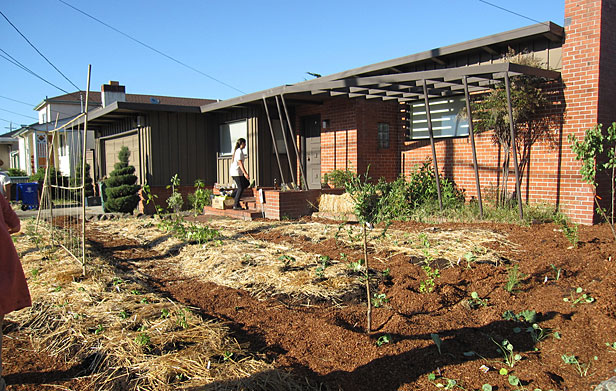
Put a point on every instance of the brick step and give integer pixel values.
(247, 215)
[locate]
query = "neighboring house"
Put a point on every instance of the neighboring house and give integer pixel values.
(375, 115)
(9, 145)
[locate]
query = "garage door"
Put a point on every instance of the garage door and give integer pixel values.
(112, 148)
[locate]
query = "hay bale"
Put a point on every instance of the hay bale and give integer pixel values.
(337, 204)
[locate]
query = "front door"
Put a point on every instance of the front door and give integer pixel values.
(311, 127)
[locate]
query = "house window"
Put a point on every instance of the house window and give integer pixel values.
(229, 134)
(446, 121)
(279, 137)
(383, 135)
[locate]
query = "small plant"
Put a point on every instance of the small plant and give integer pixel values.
(136, 292)
(384, 339)
(58, 288)
(486, 387)
(581, 298)
(449, 384)
(475, 301)
(557, 272)
(181, 319)
(356, 266)
(164, 313)
(380, 299)
(175, 200)
(437, 341)
(226, 356)
(123, 314)
(514, 276)
(569, 230)
(506, 349)
(611, 346)
(287, 260)
(142, 339)
(429, 283)
(200, 198)
(99, 329)
(581, 368)
(537, 333)
(324, 261)
(34, 273)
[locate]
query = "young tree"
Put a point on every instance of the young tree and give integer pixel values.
(527, 100)
(121, 188)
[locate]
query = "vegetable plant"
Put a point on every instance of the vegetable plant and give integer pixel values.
(427, 285)
(506, 349)
(514, 276)
(581, 297)
(475, 301)
(581, 368)
(379, 299)
(383, 339)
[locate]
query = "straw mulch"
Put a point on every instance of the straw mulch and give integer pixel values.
(132, 338)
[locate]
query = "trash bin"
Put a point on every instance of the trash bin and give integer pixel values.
(102, 187)
(27, 193)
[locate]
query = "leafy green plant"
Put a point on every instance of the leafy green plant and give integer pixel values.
(384, 339)
(597, 152)
(581, 368)
(13, 172)
(380, 299)
(34, 272)
(581, 297)
(444, 383)
(164, 313)
(181, 319)
(514, 277)
(78, 181)
(200, 198)
(338, 178)
(557, 272)
(324, 262)
(142, 339)
(121, 188)
(175, 200)
(506, 349)
(475, 301)
(437, 341)
(287, 260)
(123, 314)
(486, 387)
(99, 329)
(356, 266)
(611, 346)
(428, 285)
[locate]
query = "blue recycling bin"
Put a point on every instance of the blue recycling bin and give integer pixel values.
(27, 193)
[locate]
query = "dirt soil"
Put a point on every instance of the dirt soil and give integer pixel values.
(326, 342)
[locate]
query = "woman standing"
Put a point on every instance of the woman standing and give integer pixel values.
(238, 171)
(14, 293)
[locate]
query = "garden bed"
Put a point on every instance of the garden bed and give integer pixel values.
(291, 313)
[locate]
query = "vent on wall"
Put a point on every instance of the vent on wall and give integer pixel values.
(155, 101)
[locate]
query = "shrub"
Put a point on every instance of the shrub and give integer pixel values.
(89, 189)
(200, 198)
(55, 179)
(121, 188)
(339, 178)
(16, 172)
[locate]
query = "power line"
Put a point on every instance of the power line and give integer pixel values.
(23, 115)
(151, 48)
(18, 101)
(14, 61)
(38, 51)
(511, 12)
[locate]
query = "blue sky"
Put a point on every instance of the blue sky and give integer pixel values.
(250, 45)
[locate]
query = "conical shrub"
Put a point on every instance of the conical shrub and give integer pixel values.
(89, 189)
(121, 188)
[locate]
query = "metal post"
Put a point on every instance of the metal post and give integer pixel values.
(513, 146)
(472, 135)
(269, 121)
(301, 166)
(429, 117)
(284, 136)
(83, 175)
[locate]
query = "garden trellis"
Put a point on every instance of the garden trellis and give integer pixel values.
(62, 209)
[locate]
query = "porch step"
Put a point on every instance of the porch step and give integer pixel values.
(247, 214)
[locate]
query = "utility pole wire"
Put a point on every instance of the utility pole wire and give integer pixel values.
(23, 115)
(151, 48)
(13, 61)
(512, 12)
(38, 51)
(18, 101)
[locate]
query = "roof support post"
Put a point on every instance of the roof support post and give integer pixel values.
(284, 137)
(301, 166)
(430, 133)
(513, 146)
(269, 121)
(472, 135)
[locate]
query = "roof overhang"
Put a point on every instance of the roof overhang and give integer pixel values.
(403, 87)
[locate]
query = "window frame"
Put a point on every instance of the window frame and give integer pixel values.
(383, 135)
(232, 141)
(460, 125)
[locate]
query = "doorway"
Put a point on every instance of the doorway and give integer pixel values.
(311, 138)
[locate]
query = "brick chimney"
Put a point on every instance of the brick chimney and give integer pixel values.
(113, 92)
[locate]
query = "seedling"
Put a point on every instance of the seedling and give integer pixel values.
(528, 316)
(386, 273)
(449, 384)
(581, 368)
(437, 341)
(475, 301)
(486, 387)
(123, 314)
(506, 349)
(537, 333)
(164, 313)
(582, 297)
(34, 273)
(429, 283)
(557, 272)
(383, 339)
(99, 329)
(58, 288)
(611, 346)
(356, 266)
(470, 258)
(514, 276)
(142, 339)
(286, 261)
(227, 355)
(325, 262)
(181, 319)
(378, 300)
(135, 292)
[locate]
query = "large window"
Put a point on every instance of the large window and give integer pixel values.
(446, 121)
(229, 133)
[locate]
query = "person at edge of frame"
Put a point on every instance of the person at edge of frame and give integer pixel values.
(14, 293)
(238, 171)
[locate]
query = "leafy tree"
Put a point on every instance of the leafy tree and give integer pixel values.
(598, 154)
(527, 100)
(121, 188)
